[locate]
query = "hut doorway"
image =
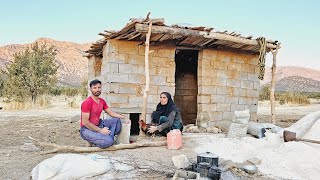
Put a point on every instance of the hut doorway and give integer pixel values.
(186, 89)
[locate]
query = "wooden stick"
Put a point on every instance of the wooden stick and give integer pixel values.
(146, 91)
(58, 148)
(273, 84)
(196, 33)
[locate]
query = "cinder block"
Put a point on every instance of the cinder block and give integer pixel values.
(245, 101)
(167, 53)
(237, 107)
(208, 89)
(217, 81)
(136, 78)
(253, 77)
(209, 54)
(227, 116)
(218, 98)
(204, 99)
(166, 89)
(215, 116)
(242, 92)
(116, 57)
(158, 80)
(128, 47)
(232, 100)
(129, 68)
(113, 87)
(136, 59)
(209, 107)
(233, 83)
(223, 107)
(117, 77)
(117, 98)
(243, 76)
(256, 85)
(246, 84)
(129, 89)
(252, 93)
(222, 90)
(136, 99)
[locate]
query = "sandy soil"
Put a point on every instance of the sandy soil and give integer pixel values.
(53, 125)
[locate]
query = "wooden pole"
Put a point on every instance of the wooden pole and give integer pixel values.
(273, 84)
(77, 149)
(146, 91)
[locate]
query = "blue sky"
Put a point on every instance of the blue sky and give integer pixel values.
(295, 23)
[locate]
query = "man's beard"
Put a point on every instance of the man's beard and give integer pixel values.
(96, 93)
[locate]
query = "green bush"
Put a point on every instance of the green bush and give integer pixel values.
(84, 89)
(70, 91)
(264, 93)
(286, 97)
(56, 91)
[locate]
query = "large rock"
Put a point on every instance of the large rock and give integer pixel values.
(181, 161)
(237, 130)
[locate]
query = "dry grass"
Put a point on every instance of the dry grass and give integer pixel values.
(14, 106)
(43, 101)
(74, 102)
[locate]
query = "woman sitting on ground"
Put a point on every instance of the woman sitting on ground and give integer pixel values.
(166, 117)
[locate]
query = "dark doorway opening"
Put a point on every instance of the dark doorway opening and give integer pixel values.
(134, 117)
(186, 89)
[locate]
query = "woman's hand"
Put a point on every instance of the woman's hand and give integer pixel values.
(152, 129)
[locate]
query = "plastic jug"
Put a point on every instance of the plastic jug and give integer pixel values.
(174, 139)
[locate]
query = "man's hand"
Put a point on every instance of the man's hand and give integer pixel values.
(127, 120)
(152, 129)
(105, 130)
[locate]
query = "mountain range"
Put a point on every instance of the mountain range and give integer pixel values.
(73, 67)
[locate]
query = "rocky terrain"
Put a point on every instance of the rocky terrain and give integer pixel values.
(72, 65)
(295, 79)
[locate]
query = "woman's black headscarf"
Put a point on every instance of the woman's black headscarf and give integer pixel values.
(165, 110)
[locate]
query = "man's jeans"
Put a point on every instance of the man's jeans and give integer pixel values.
(99, 139)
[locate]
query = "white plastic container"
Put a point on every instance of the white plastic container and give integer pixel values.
(124, 136)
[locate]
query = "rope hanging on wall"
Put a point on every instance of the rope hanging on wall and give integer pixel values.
(262, 56)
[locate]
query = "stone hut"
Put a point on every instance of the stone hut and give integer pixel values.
(209, 74)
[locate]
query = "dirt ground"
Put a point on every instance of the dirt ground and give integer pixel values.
(53, 125)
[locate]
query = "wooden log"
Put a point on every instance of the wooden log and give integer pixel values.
(273, 84)
(59, 148)
(195, 33)
(304, 124)
(146, 91)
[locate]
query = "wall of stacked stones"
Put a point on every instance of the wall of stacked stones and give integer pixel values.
(123, 74)
(229, 82)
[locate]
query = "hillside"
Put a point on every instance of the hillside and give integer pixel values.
(72, 65)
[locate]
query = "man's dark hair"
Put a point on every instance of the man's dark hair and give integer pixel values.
(94, 82)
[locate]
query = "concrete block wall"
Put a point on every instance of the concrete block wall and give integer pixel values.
(228, 82)
(123, 73)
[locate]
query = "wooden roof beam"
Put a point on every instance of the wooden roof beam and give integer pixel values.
(188, 32)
